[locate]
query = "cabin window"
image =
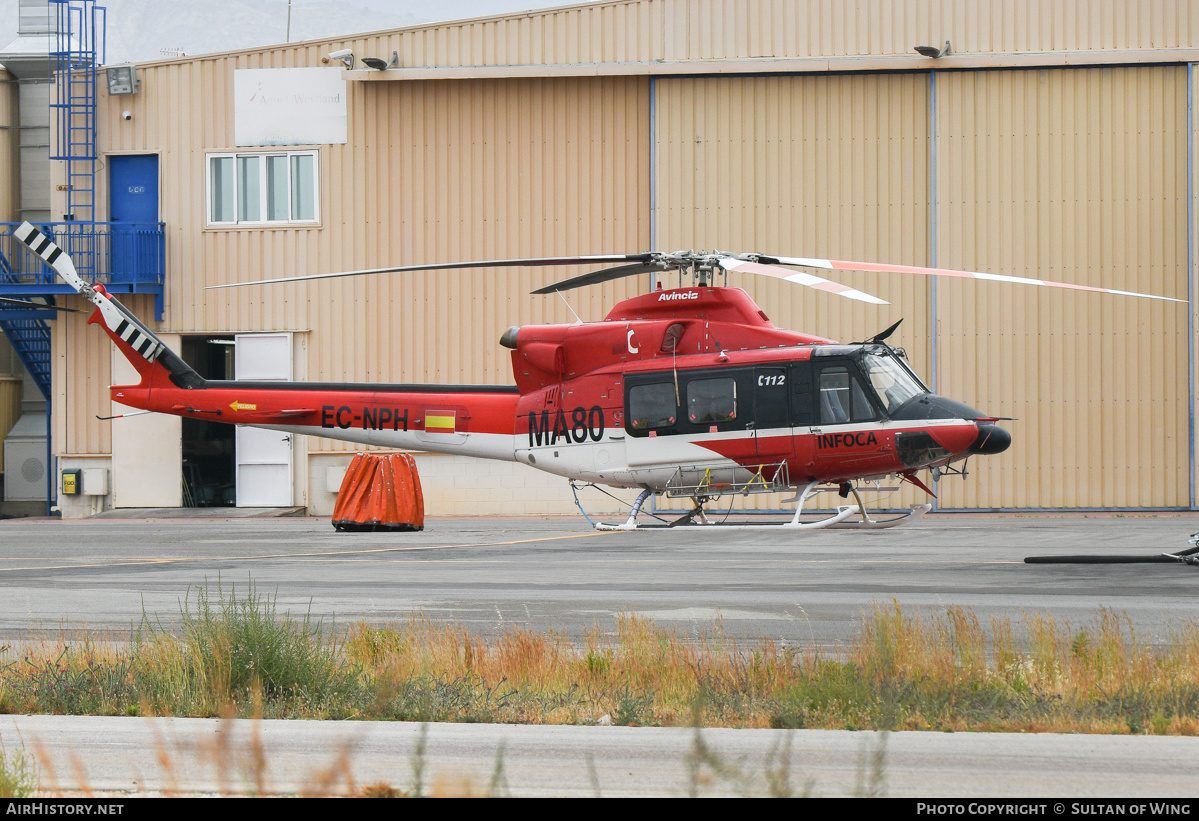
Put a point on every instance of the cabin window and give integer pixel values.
(842, 399)
(652, 406)
(278, 187)
(711, 400)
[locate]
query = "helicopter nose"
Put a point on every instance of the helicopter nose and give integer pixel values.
(991, 439)
(932, 406)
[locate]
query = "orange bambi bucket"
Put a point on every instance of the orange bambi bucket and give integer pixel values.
(380, 492)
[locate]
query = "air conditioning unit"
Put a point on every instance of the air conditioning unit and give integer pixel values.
(25, 465)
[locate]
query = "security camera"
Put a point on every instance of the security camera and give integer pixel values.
(344, 54)
(126, 115)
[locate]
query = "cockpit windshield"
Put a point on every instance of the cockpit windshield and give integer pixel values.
(893, 382)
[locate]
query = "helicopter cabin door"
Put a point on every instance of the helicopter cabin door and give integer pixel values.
(845, 419)
(772, 415)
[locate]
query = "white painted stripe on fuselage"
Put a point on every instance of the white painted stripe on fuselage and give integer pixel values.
(499, 446)
(609, 461)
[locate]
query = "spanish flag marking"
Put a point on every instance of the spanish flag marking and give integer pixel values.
(441, 421)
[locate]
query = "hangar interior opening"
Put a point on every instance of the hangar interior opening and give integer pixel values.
(209, 447)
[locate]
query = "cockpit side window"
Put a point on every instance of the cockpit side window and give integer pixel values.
(893, 383)
(842, 399)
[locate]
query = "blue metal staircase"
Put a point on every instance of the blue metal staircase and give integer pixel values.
(78, 50)
(27, 331)
(30, 338)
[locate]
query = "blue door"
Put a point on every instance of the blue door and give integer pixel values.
(133, 209)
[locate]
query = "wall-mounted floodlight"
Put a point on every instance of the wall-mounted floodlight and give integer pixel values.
(344, 54)
(376, 63)
(122, 79)
(933, 51)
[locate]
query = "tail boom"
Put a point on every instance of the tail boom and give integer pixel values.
(474, 420)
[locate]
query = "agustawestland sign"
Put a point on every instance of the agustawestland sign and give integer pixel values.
(289, 106)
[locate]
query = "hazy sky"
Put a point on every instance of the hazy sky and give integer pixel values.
(138, 30)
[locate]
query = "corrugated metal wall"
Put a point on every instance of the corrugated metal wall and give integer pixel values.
(1070, 174)
(11, 369)
(697, 30)
(9, 142)
(729, 29)
(1077, 176)
(10, 406)
(802, 166)
(81, 374)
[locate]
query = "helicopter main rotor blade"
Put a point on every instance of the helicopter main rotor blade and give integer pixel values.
(602, 275)
(447, 266)
(810, 280)
(845, 265)
(39, 306)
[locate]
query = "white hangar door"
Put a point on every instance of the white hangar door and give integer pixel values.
(264, 457)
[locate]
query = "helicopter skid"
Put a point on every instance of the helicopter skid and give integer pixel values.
(837, 518)
(867, 523)
(838, 521)
(696, 519)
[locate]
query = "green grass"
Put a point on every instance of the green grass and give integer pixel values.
(18, 777)
(231, 653)
(235, 650)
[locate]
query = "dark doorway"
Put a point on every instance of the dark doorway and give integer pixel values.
(209, 454)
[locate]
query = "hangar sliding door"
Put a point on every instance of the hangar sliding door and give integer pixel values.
(1075, 175)
(809, 166)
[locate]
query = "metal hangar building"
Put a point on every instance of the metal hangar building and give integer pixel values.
(1051, 139)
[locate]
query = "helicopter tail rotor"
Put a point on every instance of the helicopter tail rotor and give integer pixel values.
(139, 344)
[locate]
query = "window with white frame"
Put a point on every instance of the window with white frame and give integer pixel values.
(270, 187)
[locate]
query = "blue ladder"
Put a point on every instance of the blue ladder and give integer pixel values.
(79, 49)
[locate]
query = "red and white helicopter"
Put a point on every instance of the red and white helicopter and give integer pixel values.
(690, 392)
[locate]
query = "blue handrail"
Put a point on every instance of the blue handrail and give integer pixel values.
(128, 255)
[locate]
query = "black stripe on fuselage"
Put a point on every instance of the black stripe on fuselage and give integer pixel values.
(368, 387)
